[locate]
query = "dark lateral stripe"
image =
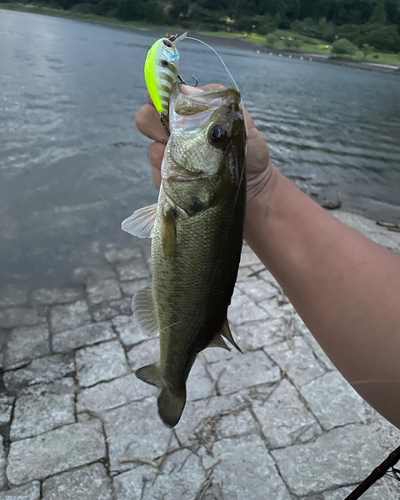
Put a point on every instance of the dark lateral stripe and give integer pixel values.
(170, 81)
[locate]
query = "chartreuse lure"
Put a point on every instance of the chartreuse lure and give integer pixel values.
(161, 70)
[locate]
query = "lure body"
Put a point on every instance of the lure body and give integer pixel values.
(161, 70)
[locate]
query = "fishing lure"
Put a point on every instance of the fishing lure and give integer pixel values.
(161, 70)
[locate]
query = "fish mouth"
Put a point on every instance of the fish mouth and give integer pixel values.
(186, 105)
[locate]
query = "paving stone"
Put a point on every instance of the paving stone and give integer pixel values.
(243, 309)
(248, 257)
(369, 228)
(258, 289)
(252, 336)
(342, 456)
(108, 310)
(62, 449)
(19, 316)
(244, 371)
(243, 274)
(40, 371)
(13, 295)
(6, 403)
(333, 401)
(83, 336)
(114, 255)
(199, 384)
(109, 395)
(102, 291)
(135, 430)
(82, 274)
(89, 483)
(318, 351)
(51, 296)
(3, 480)
(129, 485)
(131, 287)
(377, 492)
(215, 418)
(26, 343)
(69, 316)
(128, 330)
(274, 310)
(284, 419)
(42, 408)
(29, 491)
(183, 477)
(146, 353)
(136, 269)
(246, 470)
(101, 362)
(297, 359)
(213, 354)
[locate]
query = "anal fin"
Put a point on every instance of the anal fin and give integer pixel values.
(226, 332)
(218, 341)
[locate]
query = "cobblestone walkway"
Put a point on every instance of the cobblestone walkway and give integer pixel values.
(276, 423)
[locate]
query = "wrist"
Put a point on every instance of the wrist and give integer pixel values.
(260, 191)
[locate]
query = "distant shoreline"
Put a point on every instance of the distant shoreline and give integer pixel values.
(236, 42)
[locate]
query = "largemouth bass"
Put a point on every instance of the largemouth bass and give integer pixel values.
(197, 234)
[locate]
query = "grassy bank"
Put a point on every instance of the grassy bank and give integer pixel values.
(310, 45)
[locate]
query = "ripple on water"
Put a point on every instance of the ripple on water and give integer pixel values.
(71, 157)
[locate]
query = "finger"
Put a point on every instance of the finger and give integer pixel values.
(148, 123)
(156, 177)
(156, 154)
(212, 86)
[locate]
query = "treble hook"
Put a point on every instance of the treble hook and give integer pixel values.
(182, 81)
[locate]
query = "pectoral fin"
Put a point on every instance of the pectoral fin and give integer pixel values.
(144, 310)
(141, 222)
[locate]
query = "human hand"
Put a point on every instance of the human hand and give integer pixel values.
(259, 168)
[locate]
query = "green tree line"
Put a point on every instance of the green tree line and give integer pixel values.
(362, 22)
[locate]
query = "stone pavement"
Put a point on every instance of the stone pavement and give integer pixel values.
(277, 422)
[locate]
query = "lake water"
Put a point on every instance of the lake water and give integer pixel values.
(73, 166)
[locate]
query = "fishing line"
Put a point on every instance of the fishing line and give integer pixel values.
(220, 58)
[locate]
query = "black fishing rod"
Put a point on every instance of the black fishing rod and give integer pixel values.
(377, 474)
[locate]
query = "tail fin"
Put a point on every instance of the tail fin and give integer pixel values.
(170, 406)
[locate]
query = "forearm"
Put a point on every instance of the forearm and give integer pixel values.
(345, 287)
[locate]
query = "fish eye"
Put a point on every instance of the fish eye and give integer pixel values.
(167, 43)
(217, 134)
(164, 63)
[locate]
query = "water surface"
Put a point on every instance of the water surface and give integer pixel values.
(73, 166)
